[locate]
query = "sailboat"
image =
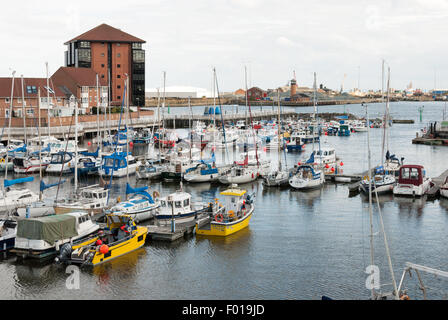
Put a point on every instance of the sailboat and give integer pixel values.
(14, 198)
(308, 175)
(91, 199)
(141, 206)
(278, 177)
(384, 179)
(205, 171)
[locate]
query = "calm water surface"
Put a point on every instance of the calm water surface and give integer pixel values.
(299, 245)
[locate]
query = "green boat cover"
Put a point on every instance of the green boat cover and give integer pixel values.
(50, 228)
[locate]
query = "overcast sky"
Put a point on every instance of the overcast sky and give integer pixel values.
(273, 38)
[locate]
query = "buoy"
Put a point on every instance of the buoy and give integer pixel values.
(104, 249)
(326, 133)
(99, 242)
(327, 166)
(299, 163)
(131, 144)
(332, 169)
(342, 164)
(89, 143)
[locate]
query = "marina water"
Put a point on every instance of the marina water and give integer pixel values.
(299, 245)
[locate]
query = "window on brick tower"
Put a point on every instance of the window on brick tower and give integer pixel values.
(118, 65)
(102, 65)
(118, 55)
(118, 76)
(118, 97)
(118, 87)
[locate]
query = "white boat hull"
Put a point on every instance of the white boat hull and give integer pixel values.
(412, 190)
(306, 184)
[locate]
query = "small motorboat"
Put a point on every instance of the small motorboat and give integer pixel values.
(8, 231)
(42, 237)
(230, 217)
(120, 237)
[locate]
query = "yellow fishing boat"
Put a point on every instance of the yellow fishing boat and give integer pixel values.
(231, 217)
(119, 237)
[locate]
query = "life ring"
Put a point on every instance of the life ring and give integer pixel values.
(404, 297)
(219, 217)
(155, 194)
(2, 160)
(231, 214)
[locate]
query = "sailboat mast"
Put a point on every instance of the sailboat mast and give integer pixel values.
(127, 131)
(23, 112)
(97, 112)
(76, 145)
(48, 102)
(9, 126)
(387, 109)
(279, 134)
(370, 198)
(40, 145)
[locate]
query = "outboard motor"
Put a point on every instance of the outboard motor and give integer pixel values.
(64, 253)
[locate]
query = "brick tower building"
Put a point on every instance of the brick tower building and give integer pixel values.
(112, 54)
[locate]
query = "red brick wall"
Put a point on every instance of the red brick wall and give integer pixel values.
(97, 48)
(121, 55)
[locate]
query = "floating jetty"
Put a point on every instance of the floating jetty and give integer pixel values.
(165, 232)
(430, 141)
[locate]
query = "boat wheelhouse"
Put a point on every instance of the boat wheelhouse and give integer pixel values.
(92, 199)
(60, 162)
(178, 207)
(116, 165)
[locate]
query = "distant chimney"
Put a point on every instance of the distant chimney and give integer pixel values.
(293, 87)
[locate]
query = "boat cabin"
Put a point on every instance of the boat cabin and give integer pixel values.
(234, 201)
(412, 174)
(60, 157)
(178, 203)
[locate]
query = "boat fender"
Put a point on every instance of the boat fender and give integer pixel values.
(252, 175)
(104, 249)
(118, 199)
(404, 297)
(156, 194)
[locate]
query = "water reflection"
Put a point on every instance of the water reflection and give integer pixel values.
(125, 264)
(411, 205)
(237, 239)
